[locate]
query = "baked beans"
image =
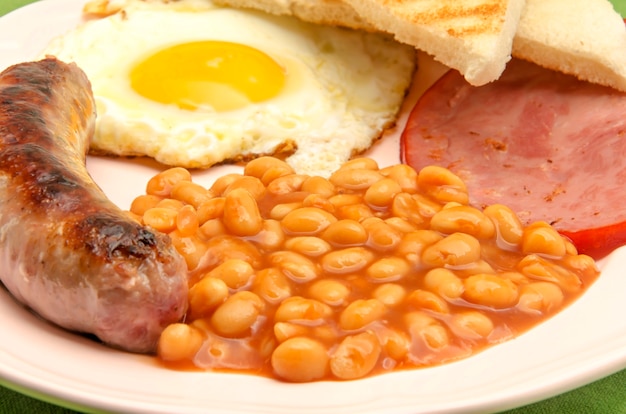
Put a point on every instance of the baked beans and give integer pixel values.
(371, 270)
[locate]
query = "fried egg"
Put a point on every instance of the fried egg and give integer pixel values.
(191, 84)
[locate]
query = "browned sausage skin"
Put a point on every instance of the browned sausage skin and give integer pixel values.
(66, 251)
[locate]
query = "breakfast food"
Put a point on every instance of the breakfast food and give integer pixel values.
(371, 270)
(547, 145)
(474, 37)
(192, 84)
(68, 252)
(482, 29)
(583, 38)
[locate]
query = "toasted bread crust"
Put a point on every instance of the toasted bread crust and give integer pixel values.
(474, 37)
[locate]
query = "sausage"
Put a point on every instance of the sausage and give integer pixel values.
(66, 251)
(547, 145)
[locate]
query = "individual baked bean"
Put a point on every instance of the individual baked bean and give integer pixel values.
(366, 163)
(389, 294)
(205, 296)
(236, 273)
(298, 308)
(272, 285)
(179, 342)
(225, 247)
(267, 169)
(355, 178)
(381, 236)
(457, 249)
(271, 237)
(413, 244)
(251, 184)
(405, 206)
(318, 185)
(297, 267)
(539, 268)
(308, 245)
(345, 233)
(286, 330)
(444, 283)
(508, 225)
(477, 267)
(581, 264)
(356, 356)
(360, 163)
(300, 359)
(307, 221)
(361, 313)
(235, 317)
(395, 343)
(354, 212)
(324, 332)
(161, 184)
(343, 200)
(381, 193)
(160, 219)
(241, 214)
(211, 209)
(222, 183)
(570, 249)
(400, 224)
(190, 193)
(187, 222)
(143, 203)
(463, 219)
(426, 300)
(279, 211)
(286, 184)
(331, 292)
(388, 269)
(348, 260)
(540, 298)
(402, 174)
(490, 290)
(471, 324)
(442, 184)
(426, 206)
(427, 330)
(212, 228)
(541, 238)
(171, 204)
(191, 248)
(319, 201)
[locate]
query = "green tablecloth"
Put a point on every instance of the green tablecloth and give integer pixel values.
(606, 396)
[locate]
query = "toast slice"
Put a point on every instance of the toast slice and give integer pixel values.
(584, 38)
(473, 36)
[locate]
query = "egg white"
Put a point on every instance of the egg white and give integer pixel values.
(343, 88)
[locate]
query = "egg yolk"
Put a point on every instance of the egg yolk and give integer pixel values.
(221, 75)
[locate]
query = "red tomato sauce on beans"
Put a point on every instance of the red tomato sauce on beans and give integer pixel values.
(369, 271)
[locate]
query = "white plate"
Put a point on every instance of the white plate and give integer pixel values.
(583, 343)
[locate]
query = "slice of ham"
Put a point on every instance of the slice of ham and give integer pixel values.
(549, 146)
